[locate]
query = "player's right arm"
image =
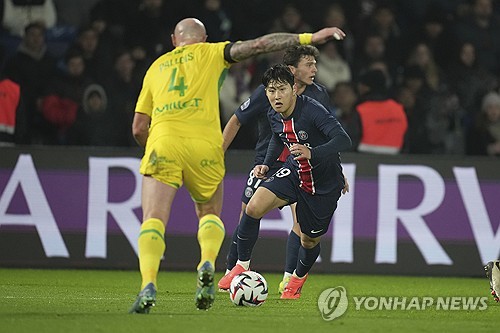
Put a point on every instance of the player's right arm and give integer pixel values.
(246, 113)
(278, 41)
(230, 130)
(140, 128)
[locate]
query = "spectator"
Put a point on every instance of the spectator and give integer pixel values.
(123, 86)
(383, 23)
(94, 124)
(435, 32)
(332, 68)
(236, 89)
(421, 56)
(32, 67)
(344, 100)
(290, 20)
(12, 117)
(482, 29)
(95, 54)
(420, 101)
(372, 49)
(145, 45)
(484, 137)
(445, 130)
(104, 16)
(469, 80)
(383, 120)
(64, 97)
(216, 19)
(17, 14)
(335, 17)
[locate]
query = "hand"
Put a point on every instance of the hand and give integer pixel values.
(260, 171)
(300, 152)
(324, 35)
(346, 186)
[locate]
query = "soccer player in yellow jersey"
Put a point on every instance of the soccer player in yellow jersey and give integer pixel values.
(177, 122)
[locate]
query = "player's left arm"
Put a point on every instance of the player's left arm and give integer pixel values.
(331, 128)
(339, 141)
(280, 41)
(140, 128)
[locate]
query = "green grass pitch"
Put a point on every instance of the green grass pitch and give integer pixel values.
(98, 301)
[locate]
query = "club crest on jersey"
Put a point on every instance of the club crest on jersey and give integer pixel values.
(303, 135)
(245, 104)
(248, 192)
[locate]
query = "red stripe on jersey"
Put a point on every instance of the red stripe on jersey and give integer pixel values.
(284, 154)
(305, 168)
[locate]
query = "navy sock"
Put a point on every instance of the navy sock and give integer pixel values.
(248, 233)
(292, 252)
(307, 258)
(232, 255)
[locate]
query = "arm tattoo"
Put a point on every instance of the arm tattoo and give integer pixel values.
(265, 44)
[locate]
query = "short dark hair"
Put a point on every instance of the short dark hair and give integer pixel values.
(34, 25)
(278, 73)
(293, 54)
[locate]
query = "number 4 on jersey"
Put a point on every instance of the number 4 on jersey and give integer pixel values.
(181, 87)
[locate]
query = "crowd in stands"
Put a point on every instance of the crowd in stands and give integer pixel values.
(78, 65)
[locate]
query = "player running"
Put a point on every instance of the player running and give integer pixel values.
(301, 60)
(311, 176)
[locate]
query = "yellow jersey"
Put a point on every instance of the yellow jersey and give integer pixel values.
(180, 92)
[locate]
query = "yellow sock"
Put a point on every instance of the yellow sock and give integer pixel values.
(151, 249)
(210, 236)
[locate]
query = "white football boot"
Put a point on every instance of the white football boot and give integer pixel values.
(492, 270)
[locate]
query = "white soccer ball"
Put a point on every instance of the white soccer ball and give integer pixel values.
(248, 289)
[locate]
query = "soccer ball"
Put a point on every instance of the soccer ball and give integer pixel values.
(248, 289)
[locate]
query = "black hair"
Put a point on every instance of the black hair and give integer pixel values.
(278, 73)
(34, 25)
(293, 54)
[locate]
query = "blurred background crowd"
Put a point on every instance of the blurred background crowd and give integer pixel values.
(76, 66)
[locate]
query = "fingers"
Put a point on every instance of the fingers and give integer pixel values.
(327, 34)
(260, 171)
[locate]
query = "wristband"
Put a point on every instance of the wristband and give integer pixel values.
(305, 38)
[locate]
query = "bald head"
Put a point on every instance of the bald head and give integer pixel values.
(189, 31)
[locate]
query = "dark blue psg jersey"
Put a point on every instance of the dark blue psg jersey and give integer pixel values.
(314, 126)
(255, 109)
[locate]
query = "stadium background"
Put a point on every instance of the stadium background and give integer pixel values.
(78, 207)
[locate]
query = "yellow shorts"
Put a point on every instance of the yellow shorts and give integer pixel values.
(197, 163)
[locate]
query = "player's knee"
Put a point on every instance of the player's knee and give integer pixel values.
(253, 210)
(308, 242)
(203, 210)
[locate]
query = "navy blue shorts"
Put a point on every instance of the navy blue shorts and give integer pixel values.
(314, 212)
(253, 183)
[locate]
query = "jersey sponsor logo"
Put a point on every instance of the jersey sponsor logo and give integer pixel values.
(248, 192)
(178, 106)
(245, 104)
(206, 163)
(303, 135)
